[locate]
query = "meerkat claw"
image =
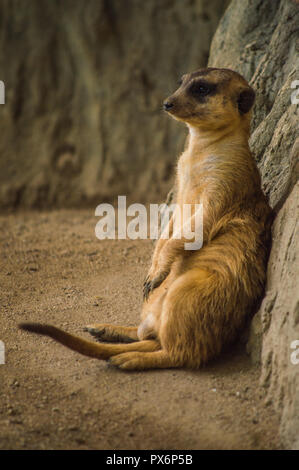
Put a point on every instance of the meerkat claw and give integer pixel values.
(146, 289)
(149, 286)
(94, 331)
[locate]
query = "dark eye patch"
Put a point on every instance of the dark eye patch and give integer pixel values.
(201, 88)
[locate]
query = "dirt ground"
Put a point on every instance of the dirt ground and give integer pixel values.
(54, 269)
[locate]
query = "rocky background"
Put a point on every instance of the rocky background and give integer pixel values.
(85, 82)
(259, 39)
(82, 123)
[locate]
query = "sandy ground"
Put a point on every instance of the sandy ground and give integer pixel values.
(53, 269)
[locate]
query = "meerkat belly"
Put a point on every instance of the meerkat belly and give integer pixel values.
(152, 309)
(147, 328)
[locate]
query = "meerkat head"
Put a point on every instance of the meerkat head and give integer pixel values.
(211, 99)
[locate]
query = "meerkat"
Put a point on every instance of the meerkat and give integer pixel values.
(196, 302)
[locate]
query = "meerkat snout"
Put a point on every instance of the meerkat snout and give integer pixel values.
(167, 105)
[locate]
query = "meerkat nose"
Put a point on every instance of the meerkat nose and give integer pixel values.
(167, 105)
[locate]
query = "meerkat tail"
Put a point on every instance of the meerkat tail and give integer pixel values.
(88, 348)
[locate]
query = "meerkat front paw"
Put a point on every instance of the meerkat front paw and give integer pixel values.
(151, 284)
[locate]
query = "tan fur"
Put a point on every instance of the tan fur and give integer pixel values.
(196, 302)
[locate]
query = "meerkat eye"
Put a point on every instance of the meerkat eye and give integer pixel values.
(201, 89)
(180, 81)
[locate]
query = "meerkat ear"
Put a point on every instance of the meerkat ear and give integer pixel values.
(245, 100)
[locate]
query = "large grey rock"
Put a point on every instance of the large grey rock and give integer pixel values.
(280, 320)
(259, 38)
(85, 82)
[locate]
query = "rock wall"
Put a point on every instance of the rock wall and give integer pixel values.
(85, 81)
(259, 39)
